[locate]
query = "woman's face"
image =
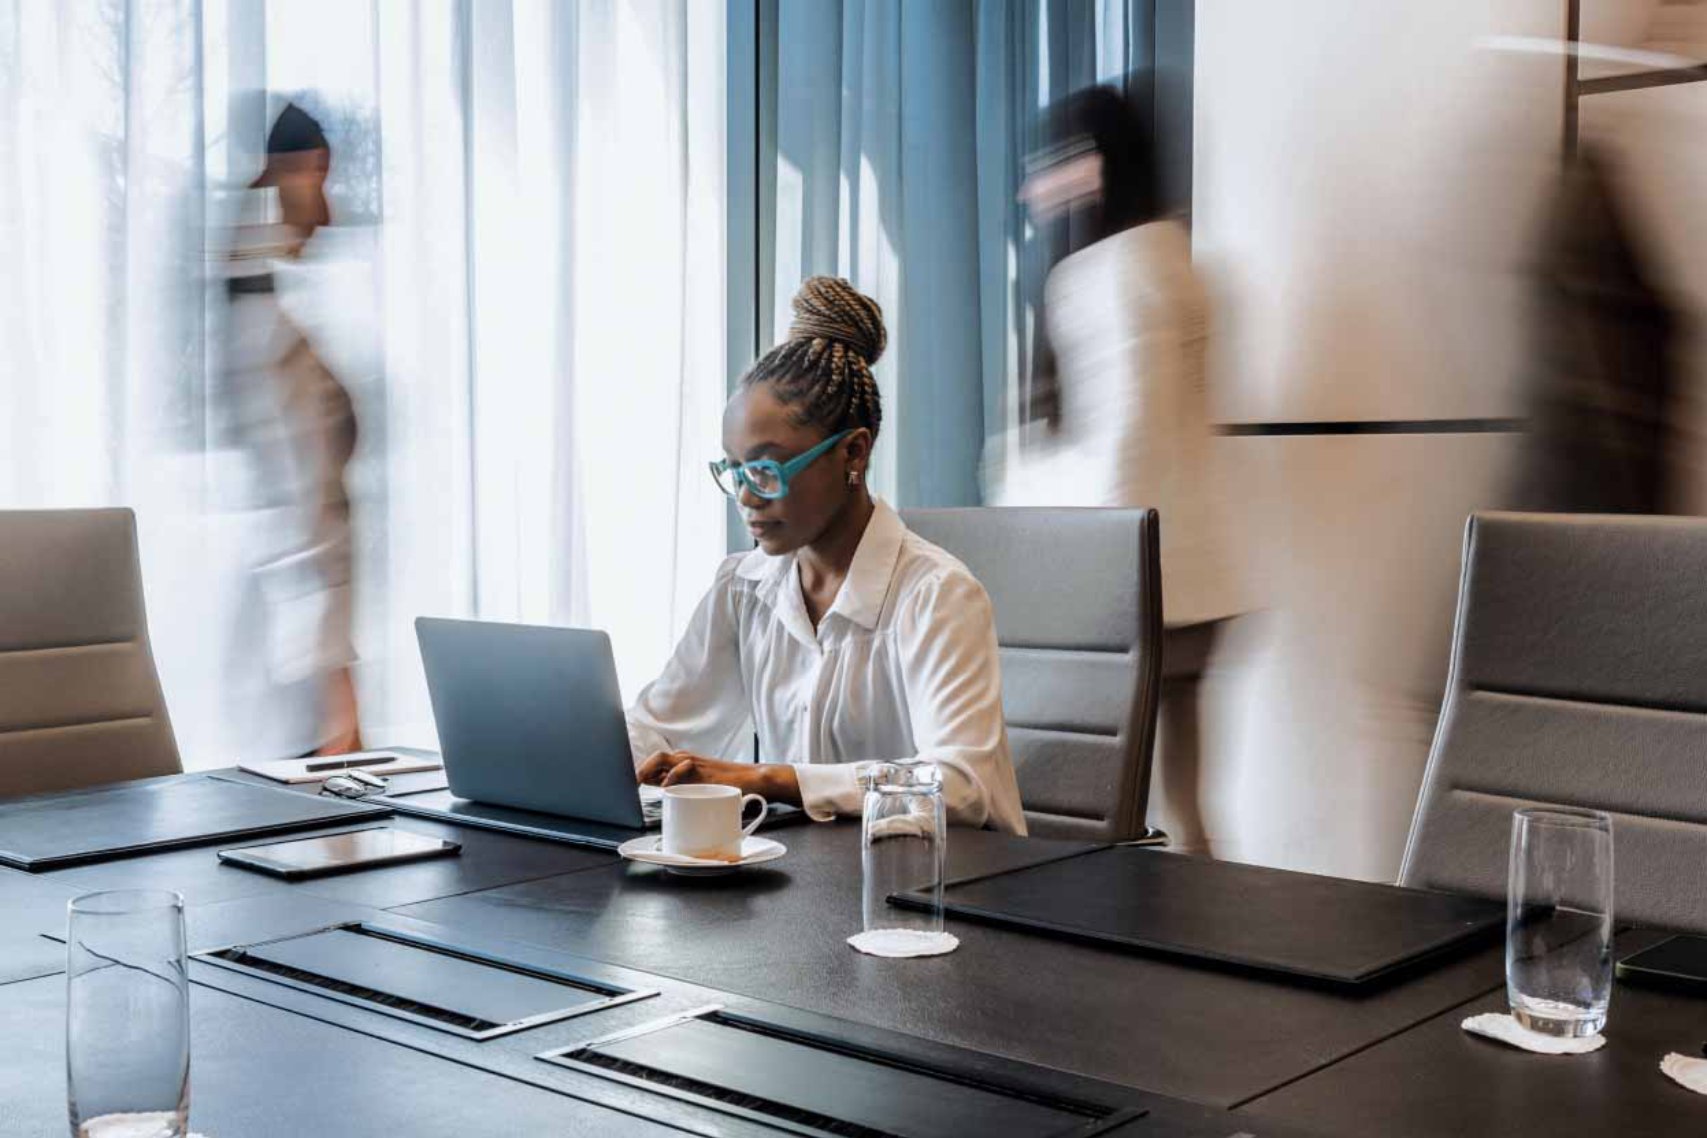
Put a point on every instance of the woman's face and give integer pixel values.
(758, 425)
(1059, 187)
(301, 179)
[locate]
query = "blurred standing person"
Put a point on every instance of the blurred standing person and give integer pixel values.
(1604, 349)
(298, 425)
(1118, 413)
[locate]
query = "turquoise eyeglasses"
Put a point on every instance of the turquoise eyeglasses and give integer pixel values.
(764, 477)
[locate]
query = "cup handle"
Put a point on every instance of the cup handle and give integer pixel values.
(747, 830)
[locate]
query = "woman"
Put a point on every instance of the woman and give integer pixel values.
(1119, 411)
(842, 638)
(300, 424)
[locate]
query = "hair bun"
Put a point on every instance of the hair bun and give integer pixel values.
(829, 308)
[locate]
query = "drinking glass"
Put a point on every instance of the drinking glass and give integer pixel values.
(903, 844)
(127, 1015)
(1558, 948)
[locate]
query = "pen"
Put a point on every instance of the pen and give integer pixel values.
(346, 764)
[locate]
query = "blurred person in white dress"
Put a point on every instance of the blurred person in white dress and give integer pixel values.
(1117, 414)
(297, 425)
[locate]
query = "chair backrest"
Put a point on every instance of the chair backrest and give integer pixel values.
(80, 702)
(1578, 678)
(1078, 601)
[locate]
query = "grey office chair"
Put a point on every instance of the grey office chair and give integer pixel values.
(1078, 600)
(80, 702)
(1578, 678)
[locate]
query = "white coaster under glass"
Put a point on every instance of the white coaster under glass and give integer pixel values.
(904, 942)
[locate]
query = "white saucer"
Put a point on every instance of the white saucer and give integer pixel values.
(648, 850)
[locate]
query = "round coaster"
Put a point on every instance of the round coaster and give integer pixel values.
(146, 1124)
(904, 942)
(1504, 1028)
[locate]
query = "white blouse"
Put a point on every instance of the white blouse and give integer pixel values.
(903, 664)
(1129, 320)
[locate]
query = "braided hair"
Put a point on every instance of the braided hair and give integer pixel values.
(823, 369)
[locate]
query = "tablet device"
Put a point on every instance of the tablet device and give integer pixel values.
(339, 853)
(1677, 962)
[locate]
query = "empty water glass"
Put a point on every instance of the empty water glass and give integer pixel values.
(127, 1015)
(1558, 953)
(903, 845)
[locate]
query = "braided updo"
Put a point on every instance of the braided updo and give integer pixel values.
(823, 368)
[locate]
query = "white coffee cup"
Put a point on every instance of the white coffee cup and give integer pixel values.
(703, 819)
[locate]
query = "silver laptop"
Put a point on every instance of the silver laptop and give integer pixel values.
(531, 724)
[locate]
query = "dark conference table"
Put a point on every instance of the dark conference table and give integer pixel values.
(1207, 1051)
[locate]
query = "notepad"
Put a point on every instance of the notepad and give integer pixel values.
(319, 768)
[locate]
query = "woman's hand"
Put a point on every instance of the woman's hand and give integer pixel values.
(775, 782)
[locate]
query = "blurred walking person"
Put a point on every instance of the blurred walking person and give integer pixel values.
(1117, 414)
(298, 427)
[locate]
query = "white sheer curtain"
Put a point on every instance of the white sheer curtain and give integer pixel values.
(563, 198)
(522, 290)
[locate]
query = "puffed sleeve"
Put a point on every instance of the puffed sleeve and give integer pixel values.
(699, 702)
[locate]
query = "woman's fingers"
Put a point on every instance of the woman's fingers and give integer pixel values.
(657, 766)
(681, 772)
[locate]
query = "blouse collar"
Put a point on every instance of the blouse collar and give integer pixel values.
(866, 587)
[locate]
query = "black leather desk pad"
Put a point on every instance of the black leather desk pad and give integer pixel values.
(1323, 929)
(52, 831)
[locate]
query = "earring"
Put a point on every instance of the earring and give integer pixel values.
(853, 478)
